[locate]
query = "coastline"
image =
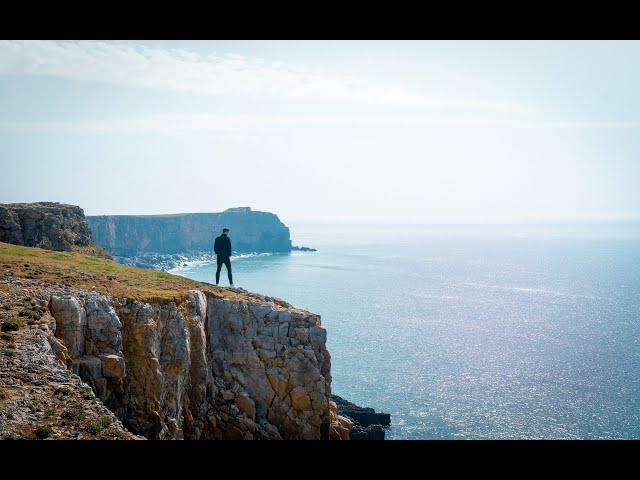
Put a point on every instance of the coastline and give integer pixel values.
(176, 262)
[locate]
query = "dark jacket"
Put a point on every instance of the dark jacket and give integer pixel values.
(222, 246)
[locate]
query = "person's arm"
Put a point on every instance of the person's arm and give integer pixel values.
(215, 246)
(230, 249)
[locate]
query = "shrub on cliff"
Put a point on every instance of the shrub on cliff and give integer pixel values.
(12, 324)
(43, 431)
(62, 391)
(98, 425)
(75, 413)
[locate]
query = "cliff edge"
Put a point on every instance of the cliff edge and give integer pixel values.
(169, 357)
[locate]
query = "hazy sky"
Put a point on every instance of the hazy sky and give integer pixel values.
(325, 130)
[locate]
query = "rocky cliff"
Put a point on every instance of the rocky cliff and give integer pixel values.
(202, 368)
(46, 224)
(170, 357)
(131, 235)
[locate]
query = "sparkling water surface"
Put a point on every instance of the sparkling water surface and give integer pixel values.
(467, 334)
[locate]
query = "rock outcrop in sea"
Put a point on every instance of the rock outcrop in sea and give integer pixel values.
(367, 423)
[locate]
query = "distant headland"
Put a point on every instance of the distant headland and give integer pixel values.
(164, 241)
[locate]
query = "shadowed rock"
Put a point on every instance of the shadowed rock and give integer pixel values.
(54, 226)
(368, 424)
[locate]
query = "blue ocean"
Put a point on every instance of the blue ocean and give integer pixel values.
(471, 332)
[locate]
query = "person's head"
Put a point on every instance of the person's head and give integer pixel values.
(225, 231)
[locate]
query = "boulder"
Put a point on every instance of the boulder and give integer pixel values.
(113, 366)
(70, 320)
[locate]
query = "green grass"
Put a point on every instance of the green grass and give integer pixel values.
(98, 425)
(62, 391)
(75, 413)
(114, 432)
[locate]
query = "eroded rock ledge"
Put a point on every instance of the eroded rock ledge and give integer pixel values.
(205, 368)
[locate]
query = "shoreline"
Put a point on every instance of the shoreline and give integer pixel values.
(176, 262)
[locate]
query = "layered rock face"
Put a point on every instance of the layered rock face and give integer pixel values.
(130, 235)
(54, 226)
(201, 368)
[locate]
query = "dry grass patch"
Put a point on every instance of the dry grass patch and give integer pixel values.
(102, 275)
(93, 251)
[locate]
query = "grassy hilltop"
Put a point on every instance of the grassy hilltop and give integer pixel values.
(103, 275)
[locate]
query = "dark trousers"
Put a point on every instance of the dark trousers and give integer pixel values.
(227, 263)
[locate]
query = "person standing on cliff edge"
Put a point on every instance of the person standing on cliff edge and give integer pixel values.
(222, 249)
